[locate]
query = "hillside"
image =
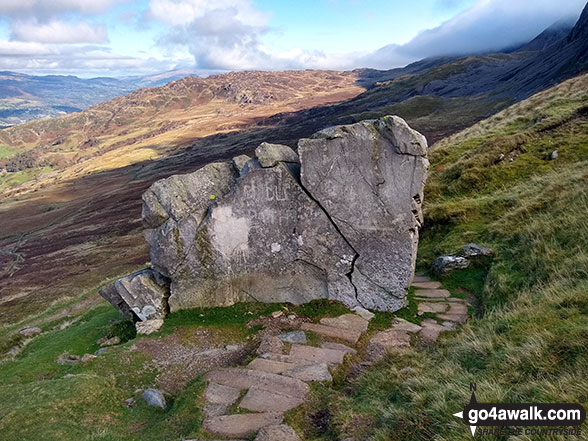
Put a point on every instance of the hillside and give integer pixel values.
(495, 184)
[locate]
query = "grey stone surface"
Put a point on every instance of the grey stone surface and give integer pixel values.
(270, 154)
(445, 264)
(271, 343)
(386, 341)
(240, 161)
(293, 337)
(154, 397)
(348, 335)
(347, 321)
(271, 366)
(281, 432)
(317, 355)
(266, 241)
(370, 177)
(338, 347)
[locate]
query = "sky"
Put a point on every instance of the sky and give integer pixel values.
(138, 37)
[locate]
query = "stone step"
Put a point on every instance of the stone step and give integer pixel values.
(404, 325)
(220, 394)
(457, 318)
(432, 307)
(284, 358)
(310, 372)
(431, 330)
(441, 299)
(458, 308)
(242, 425)
(338, 347)
(271, 366)
(246, 378)
(317, 355)
(259, 400)
(427, 285)
(347, 321)
(432, 293)
(347, 335)
(386, 341)
(421, 279)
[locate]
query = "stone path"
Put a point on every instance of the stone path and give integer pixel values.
(253, 399)
(274, 382)
(448, 312)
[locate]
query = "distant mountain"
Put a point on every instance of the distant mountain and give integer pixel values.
(28, 97)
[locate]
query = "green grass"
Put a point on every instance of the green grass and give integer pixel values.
(6, 151)
(530, 344)
(20, 177)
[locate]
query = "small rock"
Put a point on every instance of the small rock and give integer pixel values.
(68, 359)
(240, 161)
(292, 317)
(272, 344)
(66, 376)
(405, 325)
(280, 432)
(446, 264)
(14, 350)
(362, 312)
(473, 250)
(449, 325)
(87, 357)
(277, 314)
(554, 155)
(270, 154)
(108, 341)
(100, 351)
(153, 397)
(30, 332)
(149, 326)
(293, 337)
(130, 402)
(232, 347)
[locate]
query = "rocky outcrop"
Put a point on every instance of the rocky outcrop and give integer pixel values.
(469, 253)
(340, 222)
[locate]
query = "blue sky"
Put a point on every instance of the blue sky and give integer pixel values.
(126, 37)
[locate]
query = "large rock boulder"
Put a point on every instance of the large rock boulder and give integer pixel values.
(339, 222)
(266, 240)
(369, 177)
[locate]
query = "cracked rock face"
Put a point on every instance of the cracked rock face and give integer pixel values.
(370, 178)
(340, 222)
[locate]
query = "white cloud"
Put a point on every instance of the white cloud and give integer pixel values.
(59, 32)
(50, 8)
(489, 25)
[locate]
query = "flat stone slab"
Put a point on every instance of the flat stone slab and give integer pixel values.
(432, 293)
(432, 307)
(317, 355)
(362, 312)
(259, 400)
(347, 335)
(310, 372)
(247, 378)
(242, 425)
(404, 325)
(458, 308)
(271, 366)
(431, 330)
(457, 318)
(386, 341)
(220, 394)
(293, 337)
(280, 432)
(427, 285)
(216, 409)
(284, 358)
(347, 321)
(421, 279)
(338, 347)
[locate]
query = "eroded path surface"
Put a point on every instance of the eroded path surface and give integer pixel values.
(252, 399)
